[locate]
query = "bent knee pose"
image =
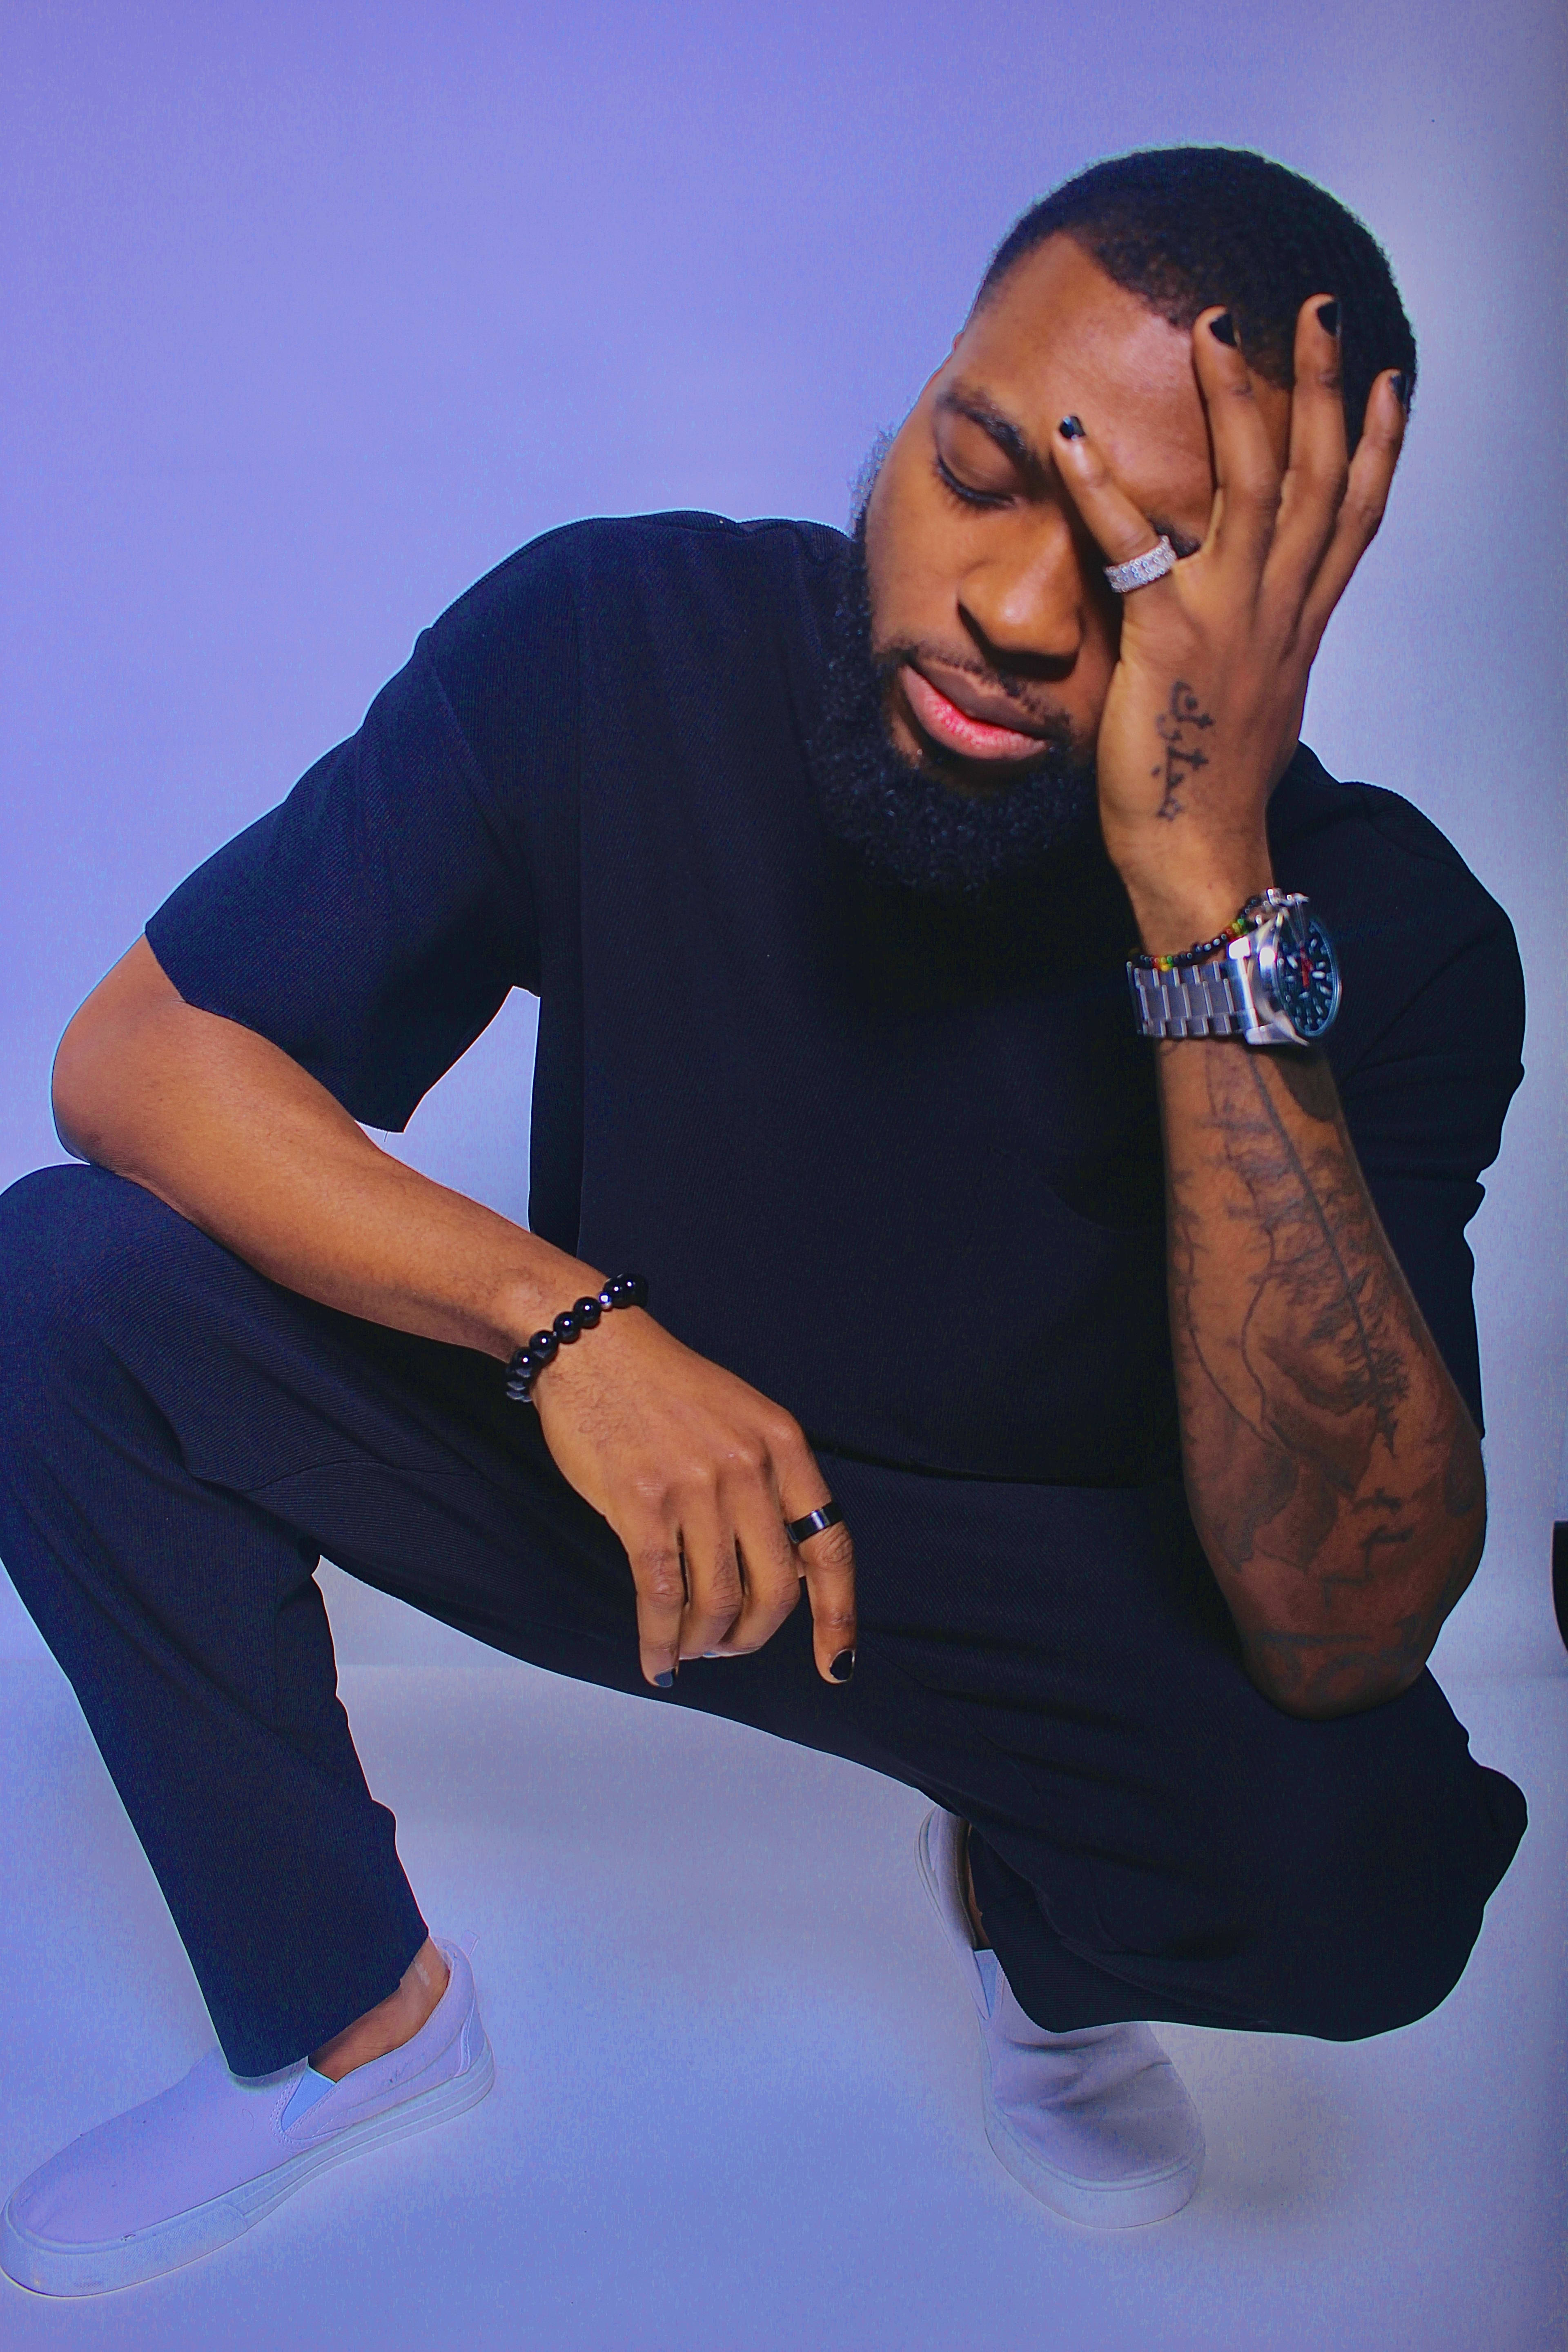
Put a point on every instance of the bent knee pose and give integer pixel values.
(996, 1302)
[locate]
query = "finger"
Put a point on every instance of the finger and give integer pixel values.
(1318, 470)
(1364, 503)
(714, 1592)
(654, 1549)
(829, 1560)
(772, 1571)
(1115, 524)
(1247, 477)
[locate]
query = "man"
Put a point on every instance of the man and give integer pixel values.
(1129, 1330)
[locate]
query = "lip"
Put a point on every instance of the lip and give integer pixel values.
(965, 731)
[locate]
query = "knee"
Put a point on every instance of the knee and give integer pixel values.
(1371, 1887)
(81, 1252)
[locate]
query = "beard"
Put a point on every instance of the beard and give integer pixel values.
(912, 822)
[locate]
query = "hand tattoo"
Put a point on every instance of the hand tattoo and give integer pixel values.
(1175, 726)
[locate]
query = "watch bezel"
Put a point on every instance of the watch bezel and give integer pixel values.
(1292, 928)
(1257, 956)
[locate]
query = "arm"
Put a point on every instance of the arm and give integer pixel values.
(691, 1467)
(1334, 1474)
(221, 1125)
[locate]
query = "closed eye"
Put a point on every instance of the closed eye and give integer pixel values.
(962, 491)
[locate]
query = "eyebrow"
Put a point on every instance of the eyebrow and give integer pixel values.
(1009, 437)
(961, 400)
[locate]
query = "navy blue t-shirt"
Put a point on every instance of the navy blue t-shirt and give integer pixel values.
(894, 1159)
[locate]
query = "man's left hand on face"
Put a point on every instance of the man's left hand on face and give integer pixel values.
(1205, 705)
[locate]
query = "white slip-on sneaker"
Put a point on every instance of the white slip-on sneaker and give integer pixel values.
(168, 2181)
(1097, 2123)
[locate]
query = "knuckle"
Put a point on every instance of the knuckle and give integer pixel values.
(745, 1457)
(723, 1589)
(785, 1435)
(660, 1580)
(834, 1548)
(834, 1620)
(773, 1601)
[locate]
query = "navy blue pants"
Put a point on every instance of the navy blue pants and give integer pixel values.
(180, 1440)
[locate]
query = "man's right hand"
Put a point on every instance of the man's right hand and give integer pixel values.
(697, 1472)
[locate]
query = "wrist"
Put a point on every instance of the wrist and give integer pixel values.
(527, 1301)
(1176, 906)
(544, 1347)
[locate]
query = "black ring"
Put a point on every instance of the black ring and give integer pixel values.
(799, 1530)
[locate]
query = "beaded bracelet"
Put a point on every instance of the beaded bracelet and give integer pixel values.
(1255, 913)
(527, 1363)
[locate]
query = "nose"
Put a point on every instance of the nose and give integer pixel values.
(1026, 601)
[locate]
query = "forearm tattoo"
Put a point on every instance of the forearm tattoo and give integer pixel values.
(1334, 1475)
(1178, 726)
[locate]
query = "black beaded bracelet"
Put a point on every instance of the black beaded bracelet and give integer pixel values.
(525, 1366)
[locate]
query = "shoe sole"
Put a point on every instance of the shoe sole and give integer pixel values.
(1129, 2205)
(1125, 2205)
(49, 2268)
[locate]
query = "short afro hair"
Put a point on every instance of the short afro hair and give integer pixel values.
(1184, 227)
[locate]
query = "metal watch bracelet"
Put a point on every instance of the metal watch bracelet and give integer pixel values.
(1270, 978)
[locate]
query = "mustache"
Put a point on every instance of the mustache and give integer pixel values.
(937, 826)
(1048, 720)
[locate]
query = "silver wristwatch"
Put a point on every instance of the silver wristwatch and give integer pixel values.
(1271, 978)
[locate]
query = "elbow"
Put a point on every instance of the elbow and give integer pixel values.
(1370, 1662)
(93, 1087)
(1351, 1690)
(70, 1096)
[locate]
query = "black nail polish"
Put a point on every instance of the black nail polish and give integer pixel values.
(1223, 330)
(1402, 389)
(666, 1680)
(843, 1666)
(1329, 318)
(1070, 428)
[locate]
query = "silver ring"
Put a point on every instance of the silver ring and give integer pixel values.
(801, 1531)
(1125, 577)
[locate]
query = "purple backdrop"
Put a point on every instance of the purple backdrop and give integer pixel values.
(311, 314)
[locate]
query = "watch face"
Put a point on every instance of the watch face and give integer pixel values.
(1306, 976)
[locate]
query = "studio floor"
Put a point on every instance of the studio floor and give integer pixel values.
(737, 2102)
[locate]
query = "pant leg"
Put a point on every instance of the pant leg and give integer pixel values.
(1153, 1838)
(181, 1438)
(179, 1442)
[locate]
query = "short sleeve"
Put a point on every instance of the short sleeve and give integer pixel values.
(373, 923)
(1424, 1108)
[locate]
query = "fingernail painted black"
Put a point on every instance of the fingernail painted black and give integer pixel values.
(843, 1666)
(1329, 318)
(666, 1680)
(1070, 429)
(1402, 389)
(1223, 330)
